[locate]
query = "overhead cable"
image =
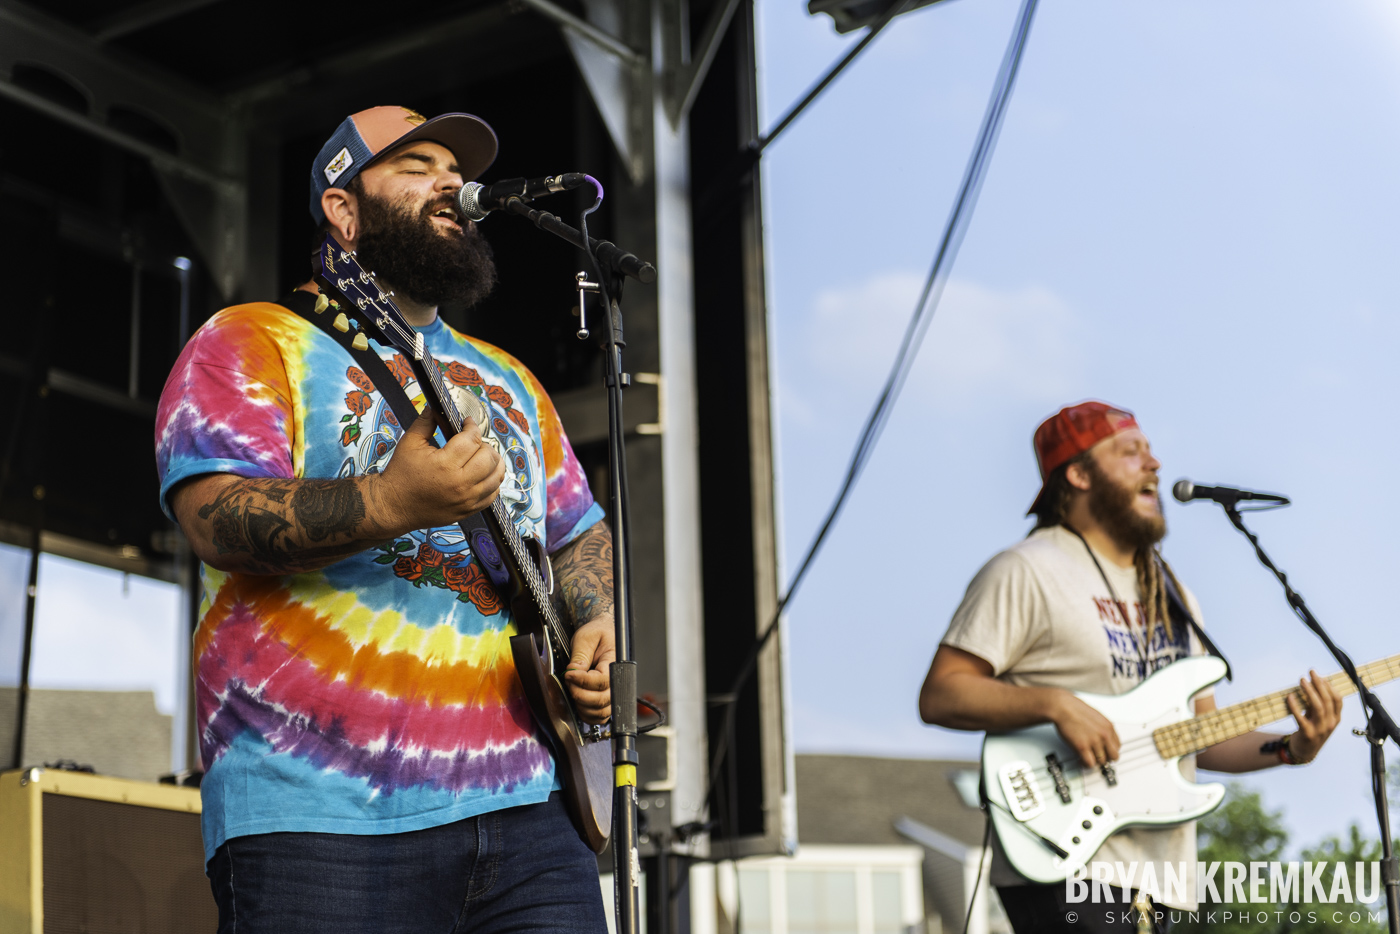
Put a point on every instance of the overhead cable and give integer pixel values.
(955, 229)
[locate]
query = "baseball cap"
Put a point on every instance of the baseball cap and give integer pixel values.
(362, 137)
(1072, 431)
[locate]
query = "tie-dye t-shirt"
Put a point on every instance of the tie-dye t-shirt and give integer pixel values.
(378, 694)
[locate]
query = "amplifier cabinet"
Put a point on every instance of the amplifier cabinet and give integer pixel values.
(88, 854)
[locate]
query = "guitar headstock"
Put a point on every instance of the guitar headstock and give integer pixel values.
(355, 295)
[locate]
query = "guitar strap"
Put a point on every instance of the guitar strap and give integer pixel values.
(1176, 606)
(483, 543)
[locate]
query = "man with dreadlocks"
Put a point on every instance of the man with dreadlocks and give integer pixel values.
(1085, 603)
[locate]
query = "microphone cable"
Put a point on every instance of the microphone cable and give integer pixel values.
(958, 221)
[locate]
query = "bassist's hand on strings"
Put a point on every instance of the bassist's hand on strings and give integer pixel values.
(425, 486)
(1090, 733)
(962, 693)
(592, 655)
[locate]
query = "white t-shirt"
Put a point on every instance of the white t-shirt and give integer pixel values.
(1040, 615)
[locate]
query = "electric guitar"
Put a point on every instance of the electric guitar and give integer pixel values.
(583, 755)
(1052, 813)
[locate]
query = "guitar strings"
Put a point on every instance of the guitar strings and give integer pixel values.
(1234, 720)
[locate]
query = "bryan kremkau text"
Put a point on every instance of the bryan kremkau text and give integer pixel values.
(1228, 883)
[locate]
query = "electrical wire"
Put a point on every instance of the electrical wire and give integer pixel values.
(954, 231)
(981, 864)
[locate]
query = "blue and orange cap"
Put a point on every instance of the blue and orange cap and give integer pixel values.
(365, 136)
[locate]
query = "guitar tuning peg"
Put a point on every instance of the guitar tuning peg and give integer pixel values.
(322, 303)
(360, 342)
(341, 323)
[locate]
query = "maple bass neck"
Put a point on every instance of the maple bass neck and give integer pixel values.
(1196, 734)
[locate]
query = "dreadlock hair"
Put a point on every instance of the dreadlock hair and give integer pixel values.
(1052, 509)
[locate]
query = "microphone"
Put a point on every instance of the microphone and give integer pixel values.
(476, 200)
(1185, 491)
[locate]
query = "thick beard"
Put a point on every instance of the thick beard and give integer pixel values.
(1112, 506)
(405, 248)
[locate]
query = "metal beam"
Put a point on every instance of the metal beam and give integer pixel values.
(157, 157)
(203, 180)
(364, 60)
(80, 387)
(621, 89)
(684, 83)
(129, 559)
(144, 16)
(587, 30)
(27, 35)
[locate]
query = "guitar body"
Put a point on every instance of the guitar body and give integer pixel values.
(584, 763)
(1150, 790)
(582, 752)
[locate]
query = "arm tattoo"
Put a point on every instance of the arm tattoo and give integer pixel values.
(585, 571)
(277, 526)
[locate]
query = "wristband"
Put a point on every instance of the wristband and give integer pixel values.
(1279, 747)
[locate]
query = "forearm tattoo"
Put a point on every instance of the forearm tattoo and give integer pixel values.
(286, 526)
(585, 573)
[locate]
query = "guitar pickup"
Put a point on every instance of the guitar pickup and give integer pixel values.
(1057, 772)
(1022, 791)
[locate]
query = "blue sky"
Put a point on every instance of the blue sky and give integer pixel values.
(1191, 212)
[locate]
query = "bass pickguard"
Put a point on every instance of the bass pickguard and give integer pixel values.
(1030, 811)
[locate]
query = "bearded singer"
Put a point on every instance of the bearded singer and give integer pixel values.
(371, 764)
(1081, 604)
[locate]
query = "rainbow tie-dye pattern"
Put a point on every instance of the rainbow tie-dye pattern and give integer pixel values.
(378, 694)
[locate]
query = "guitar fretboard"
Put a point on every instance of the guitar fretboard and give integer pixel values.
(1196, 734)
(340, 274)
(498, 516)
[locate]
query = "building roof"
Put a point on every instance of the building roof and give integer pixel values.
(858, 799)
(118, 733)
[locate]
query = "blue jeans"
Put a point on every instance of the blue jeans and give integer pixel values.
(520, 869)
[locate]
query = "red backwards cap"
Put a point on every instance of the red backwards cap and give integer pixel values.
(1072, 431)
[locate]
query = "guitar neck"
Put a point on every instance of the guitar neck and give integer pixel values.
(340, 276)
(1179, 739)
(517, 554)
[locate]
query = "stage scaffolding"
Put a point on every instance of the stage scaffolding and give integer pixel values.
(154, 170)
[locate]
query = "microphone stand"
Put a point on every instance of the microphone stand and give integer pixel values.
(612, 264)
(1379, 725)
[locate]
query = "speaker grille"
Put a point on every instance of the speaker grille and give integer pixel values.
(123, 869)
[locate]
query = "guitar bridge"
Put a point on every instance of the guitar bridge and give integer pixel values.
(1021, 789)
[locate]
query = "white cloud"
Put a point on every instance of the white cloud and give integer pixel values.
(1014, 345)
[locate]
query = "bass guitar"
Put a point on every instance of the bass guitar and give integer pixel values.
(1052, 813)
(583, 755)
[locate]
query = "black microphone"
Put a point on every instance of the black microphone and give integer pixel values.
(1185, 491)
(476, 200)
